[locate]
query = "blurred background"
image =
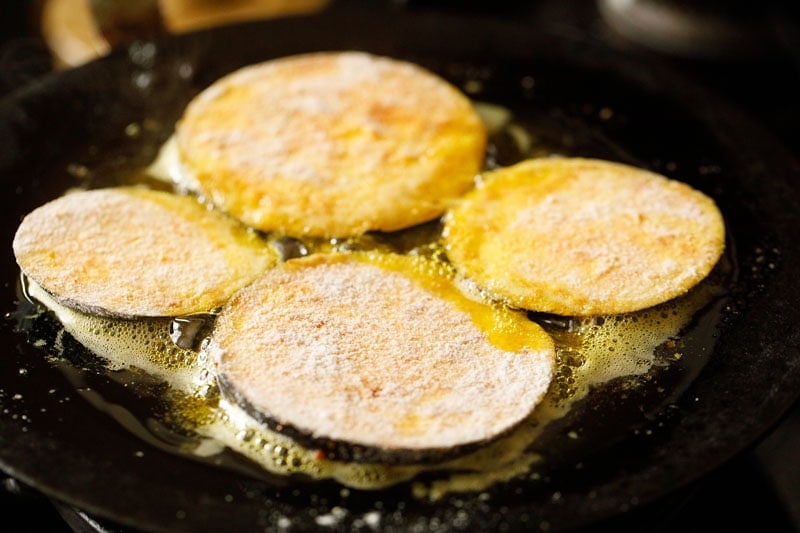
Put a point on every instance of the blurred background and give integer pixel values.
(747, 52)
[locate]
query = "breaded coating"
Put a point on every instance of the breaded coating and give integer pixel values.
(331, 144)
(135, 252)
(378, 352)
(584, 237)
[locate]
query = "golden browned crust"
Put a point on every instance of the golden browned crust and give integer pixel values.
(379, 353)
(584, 237)
(137, 252)
(331, 144)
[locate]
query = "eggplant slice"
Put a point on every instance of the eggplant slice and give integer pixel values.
(579, 237)
(331, 144)
(378, 358)
(129, 252)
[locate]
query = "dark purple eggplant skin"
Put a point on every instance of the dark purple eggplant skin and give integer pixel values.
(339, 450)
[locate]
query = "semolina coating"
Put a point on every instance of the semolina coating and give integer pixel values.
(379, 352)
(331, 144)
(135, 252)
(584, 237)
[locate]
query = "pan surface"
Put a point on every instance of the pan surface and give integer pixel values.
(63, 430)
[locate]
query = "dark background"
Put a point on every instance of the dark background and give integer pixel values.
(759, 73)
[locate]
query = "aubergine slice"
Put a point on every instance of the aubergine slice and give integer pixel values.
(378, 358)
(331, 144)
(135, 252)
(607, 238)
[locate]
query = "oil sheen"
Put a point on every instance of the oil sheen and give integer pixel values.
(589, 352)
(592, 354)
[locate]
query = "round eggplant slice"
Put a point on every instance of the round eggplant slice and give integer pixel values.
(331, 144)
(378, 357)
(584, 237)
(131, 252)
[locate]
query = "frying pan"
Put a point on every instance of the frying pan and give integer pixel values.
(60, 426)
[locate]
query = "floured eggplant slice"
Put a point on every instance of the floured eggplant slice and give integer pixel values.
(583, 237)
(331, 144)
(133, 252)
(378, 357)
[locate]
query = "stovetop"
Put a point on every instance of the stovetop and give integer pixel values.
(758, 489)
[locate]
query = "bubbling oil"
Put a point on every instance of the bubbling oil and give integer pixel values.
(589, 352)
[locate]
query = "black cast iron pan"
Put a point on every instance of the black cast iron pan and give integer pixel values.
(741, 373)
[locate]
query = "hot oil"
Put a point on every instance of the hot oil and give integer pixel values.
(600, 355)
(198, 422)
